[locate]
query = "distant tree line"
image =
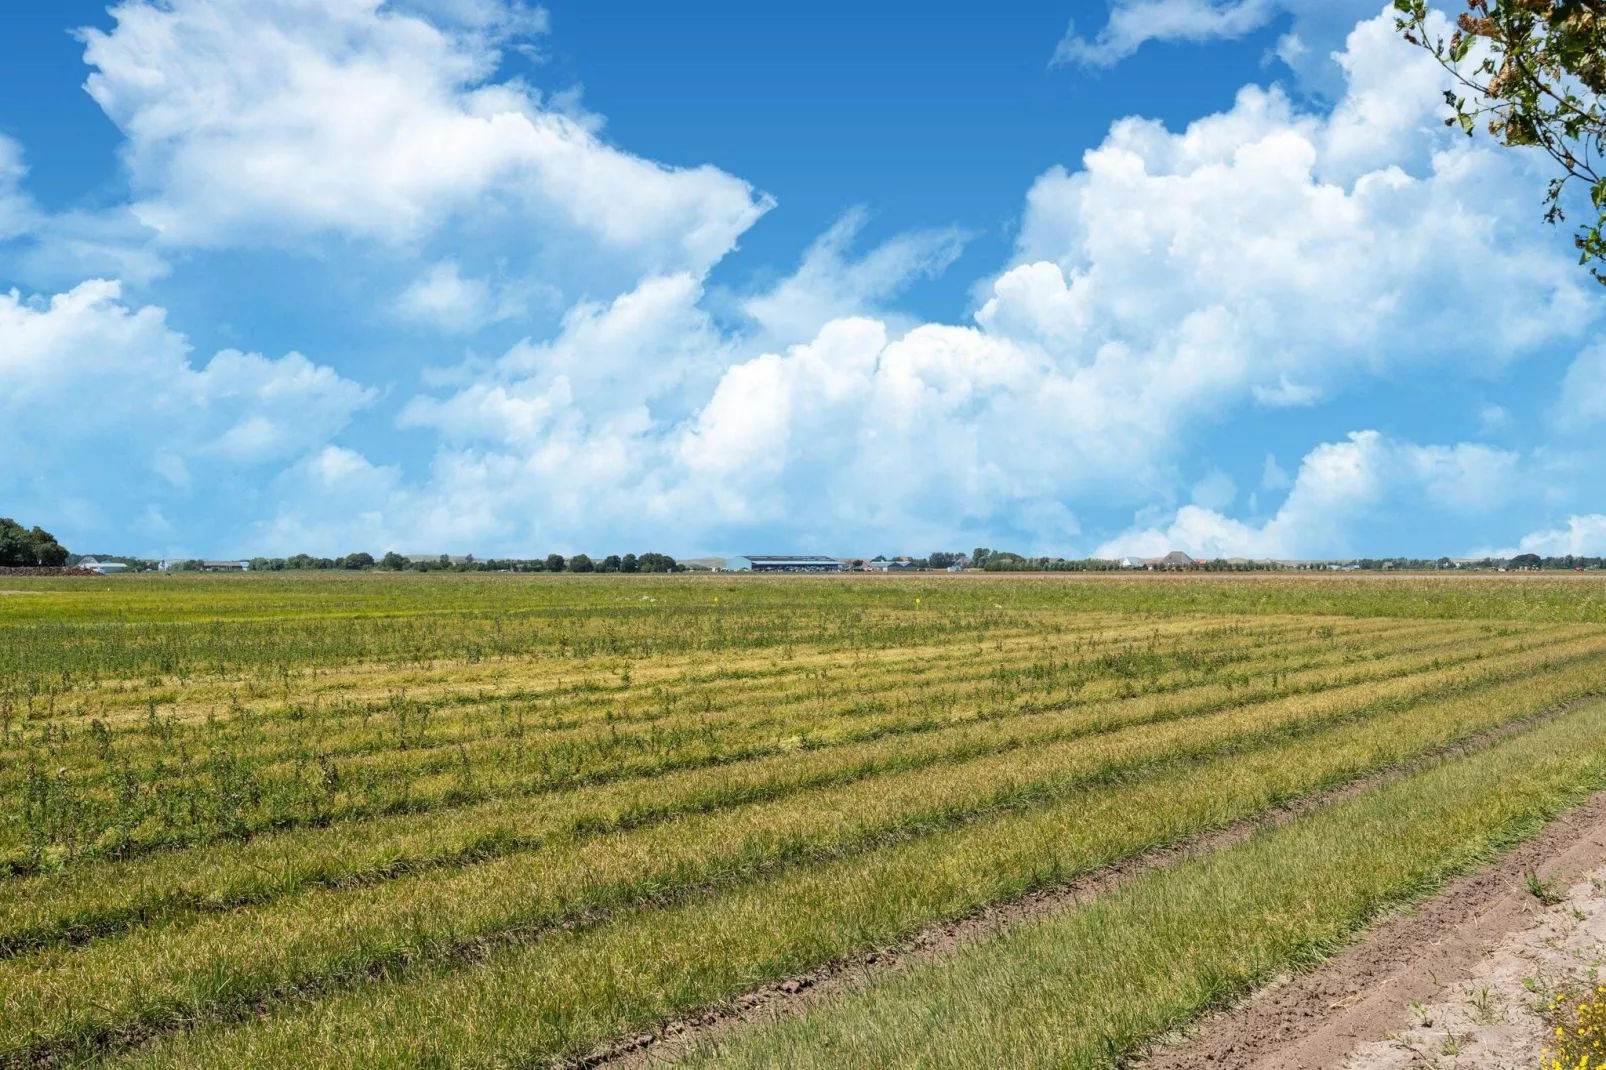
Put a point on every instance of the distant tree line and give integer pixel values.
(21, 548)
(1003, 561)
(395, 562)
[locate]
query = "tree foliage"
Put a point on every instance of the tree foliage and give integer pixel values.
(1535, 71)
(21, 548)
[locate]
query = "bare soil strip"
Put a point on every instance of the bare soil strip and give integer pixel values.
(796, 995)
(1375, 989)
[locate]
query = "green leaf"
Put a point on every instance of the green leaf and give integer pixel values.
(1466, 122)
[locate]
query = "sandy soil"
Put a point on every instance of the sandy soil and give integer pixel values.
(1458, 983)
(1490, 1018)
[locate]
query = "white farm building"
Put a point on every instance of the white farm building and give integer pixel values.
(803, 563)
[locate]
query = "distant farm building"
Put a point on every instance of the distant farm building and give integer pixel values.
(105, 568)
(223, 566)
(897, 564)
(764, 563)
(1174, 559)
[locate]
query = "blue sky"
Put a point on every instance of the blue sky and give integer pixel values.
(469, 275)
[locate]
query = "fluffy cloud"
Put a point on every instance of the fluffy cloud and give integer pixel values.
(87, 377)
(444, 298)
(1259, 259)
(653, 347)
(1583, 536)
(1340, 488)
(1583, 390)
(1134, 23)
(831, 283)
(1317, 28)
(17, 213)
(1264, 256)
(1261, 255)
(273, 121)
(1289, 251)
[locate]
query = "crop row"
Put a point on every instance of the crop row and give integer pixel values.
(212, 601)
(82, 901)
(225, 793)
(317, 943)
(525, 1001)
(356, 711)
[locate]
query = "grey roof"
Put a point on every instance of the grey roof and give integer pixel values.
(808, 559)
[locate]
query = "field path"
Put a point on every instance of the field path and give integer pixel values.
(1252, 1034)
(1440, 986)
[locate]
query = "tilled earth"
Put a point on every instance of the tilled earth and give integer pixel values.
(1459, 982)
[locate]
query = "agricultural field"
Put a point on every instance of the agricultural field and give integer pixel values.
(469, 820)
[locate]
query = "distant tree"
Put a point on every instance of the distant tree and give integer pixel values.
(1525, 561)
(656, 563)
(941, 559)
(16, 549)
(879, 557)
(1536, 71)
(46, 550)
(628, 563)
(394, 561)
(554, 562)
(21, 548)
(1002, 561)
(611, 563)
(357, 561)
(581, 563)
(979, 556)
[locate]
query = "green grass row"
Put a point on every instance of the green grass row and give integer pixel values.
(196, 796)
(1090, 988)
(82, 902)
(1286, 896)
(394, 716)
(1013, 824)
(55, 631)
(302, 597)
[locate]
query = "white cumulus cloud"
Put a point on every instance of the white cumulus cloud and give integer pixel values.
(1133, 23)
(1583, 390)
(1581, 536)
(274, 121)
(17, 212)
(100, 403)
(1340, 487)
(831, 283)
(1263, 256)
